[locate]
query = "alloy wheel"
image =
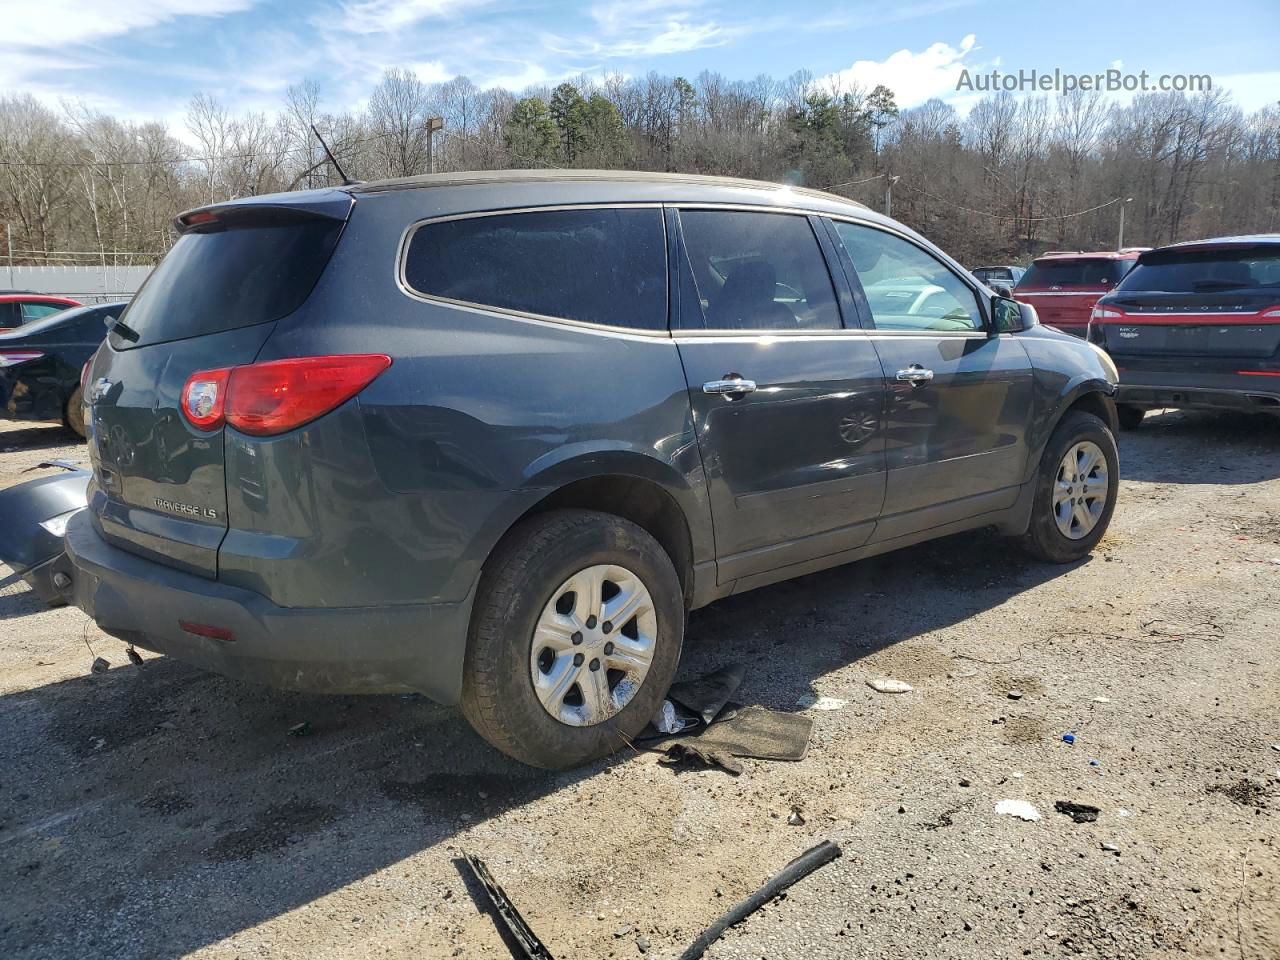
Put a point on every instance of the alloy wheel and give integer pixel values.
(593, 645)
(1080, 490)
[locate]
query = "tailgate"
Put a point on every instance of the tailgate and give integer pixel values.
(160, 484)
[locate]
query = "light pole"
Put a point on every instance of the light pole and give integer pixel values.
(433, 124)
(888, 195)
(1120, 239)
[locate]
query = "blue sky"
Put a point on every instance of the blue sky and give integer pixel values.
(146, 58)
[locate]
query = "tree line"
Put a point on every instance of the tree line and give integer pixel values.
(1012, 178)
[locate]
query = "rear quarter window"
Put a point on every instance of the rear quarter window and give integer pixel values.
(603, 266)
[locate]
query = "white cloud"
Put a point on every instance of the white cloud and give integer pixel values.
(640, 28)
(386, 16)
(913, 77)
(56, 23)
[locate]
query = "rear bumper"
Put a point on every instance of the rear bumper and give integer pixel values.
(1241, 398)
(388, 649)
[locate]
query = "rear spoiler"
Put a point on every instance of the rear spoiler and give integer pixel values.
(272, 209)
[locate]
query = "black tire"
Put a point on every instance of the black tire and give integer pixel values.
(518, 582)
(1043, 538)
(1130, 416)
(73, 416)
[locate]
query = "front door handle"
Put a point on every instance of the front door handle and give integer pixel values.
(915, 375)
(731, 386)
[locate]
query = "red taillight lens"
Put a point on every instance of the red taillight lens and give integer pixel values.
(195, 219)
(262, 399)
(269, 398)
(204, 397)
(11, 358)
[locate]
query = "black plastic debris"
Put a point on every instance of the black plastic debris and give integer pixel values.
(793, 872)
(1079, 812)
(302, 729)
(100, 665)
(755, 732)
(694, 750)
(708, 695)
(521, 934)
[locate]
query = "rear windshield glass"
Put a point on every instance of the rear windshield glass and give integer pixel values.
(1084, 272)
(228, 278)
(1201, 271)
(601, 266)
(986, 274)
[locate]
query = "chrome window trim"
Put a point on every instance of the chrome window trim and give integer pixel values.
(406, 238)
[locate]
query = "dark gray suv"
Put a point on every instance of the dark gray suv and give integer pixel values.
(491, 436)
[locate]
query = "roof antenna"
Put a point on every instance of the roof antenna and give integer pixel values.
(346, 181)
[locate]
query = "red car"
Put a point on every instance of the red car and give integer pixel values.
(1063, 287)
(18, 307)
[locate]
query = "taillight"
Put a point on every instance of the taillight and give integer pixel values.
(204, 398)
(1272, 313)
(1103, 313)
(264, 399)
(11, 358)
(84, 373)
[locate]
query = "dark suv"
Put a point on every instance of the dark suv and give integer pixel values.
(491, 436)
(1196, 325)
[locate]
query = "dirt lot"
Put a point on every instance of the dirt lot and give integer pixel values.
(159, 811)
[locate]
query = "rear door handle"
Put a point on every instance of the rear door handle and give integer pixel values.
(730, 386)
(915, 375)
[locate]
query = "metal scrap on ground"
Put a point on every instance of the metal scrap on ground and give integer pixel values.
(521, 932)
(796, 870)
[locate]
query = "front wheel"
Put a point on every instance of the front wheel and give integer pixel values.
(1075, 492)
(574, 640)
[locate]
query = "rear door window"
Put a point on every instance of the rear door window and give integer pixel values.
(755, 271)
(1081, 272)
(603, 266)
(233, 276)
(907, 288)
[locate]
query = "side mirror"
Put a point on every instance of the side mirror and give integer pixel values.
(1010, 316)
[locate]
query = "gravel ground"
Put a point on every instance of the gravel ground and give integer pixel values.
(158, 811)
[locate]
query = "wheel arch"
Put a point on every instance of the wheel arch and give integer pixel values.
(649, 492)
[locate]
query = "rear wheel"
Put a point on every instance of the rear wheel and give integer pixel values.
(73, 416)
(1130, 416)
(574, 640)
(1075, 492)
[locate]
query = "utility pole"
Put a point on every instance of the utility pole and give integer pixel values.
(433, 124)
(1120, 239)
(888, 195)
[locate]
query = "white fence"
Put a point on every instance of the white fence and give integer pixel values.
(87, 284)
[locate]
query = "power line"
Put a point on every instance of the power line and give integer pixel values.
(1001, 216)
(852, 183)
(173, 160)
